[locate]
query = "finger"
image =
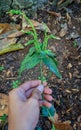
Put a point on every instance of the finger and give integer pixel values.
(30, 84)
(28, 93)
(48, 97)
(46, 104)
(37, 92)
(47, 90)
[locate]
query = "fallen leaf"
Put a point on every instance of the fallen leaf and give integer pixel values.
(36, 24)
(68, 18)
(69, 66)
(75, 90)
(60, 2)
(14, 47)
(15, 34)
(8, 45)
(54, 119)
(63, 31)
(54, 13)
(3, 104)
(69, 110)
(4, 43)
(68, 91)
(5, 27)
(70, 75)
(63, 126)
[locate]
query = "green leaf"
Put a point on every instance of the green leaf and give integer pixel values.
(38, 128)
(3, 117)
(53, 37)
(50, 53)
(30, 61)
(50, 63)
(15, 84)
(1, 68)
(14, 12)
(29, 42)
(48, 112)
(28, 32)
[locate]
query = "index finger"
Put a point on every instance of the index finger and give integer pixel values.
(30, 84)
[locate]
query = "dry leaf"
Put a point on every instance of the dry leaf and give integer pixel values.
(60, 2)
(54, 119)
(16, 34)
(60, 125)
(69, 110)
(4, 43)
(36, 24)
(5, 27)
(63, 31)
(63, 126)
(70, 75)
(54, 13)
(68, 18)
(8, 45)
(3, 104)
(68, 91)
(69, 66)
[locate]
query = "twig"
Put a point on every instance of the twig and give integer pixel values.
(56, 101)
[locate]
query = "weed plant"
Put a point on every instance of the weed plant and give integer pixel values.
(38, 54)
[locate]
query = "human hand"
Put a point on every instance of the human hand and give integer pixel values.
(24, 104)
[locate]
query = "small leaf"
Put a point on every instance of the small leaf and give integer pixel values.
(1, 68)
(30, 62)
(15, 84)
(50, 53)
(48, 112)
(29, 42)
(28, 32)
(49, 62)
(53, 37)
(14, 12)
(3, 117)
(38, 128)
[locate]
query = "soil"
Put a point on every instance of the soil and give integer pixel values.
(66, 91)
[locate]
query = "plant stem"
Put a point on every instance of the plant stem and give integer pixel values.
(53, 127)
(37, 46)
(41, 71)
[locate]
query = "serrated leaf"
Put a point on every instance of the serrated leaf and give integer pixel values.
(30, 62)
(32, 50)
(29, 42)
(49, 62)
(48, 112)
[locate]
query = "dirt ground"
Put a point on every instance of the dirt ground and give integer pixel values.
(66, 92)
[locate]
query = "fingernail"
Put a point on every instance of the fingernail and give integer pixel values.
(40, 88)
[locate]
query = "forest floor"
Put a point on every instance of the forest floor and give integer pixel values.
(66, 92)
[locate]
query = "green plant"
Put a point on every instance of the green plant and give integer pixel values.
(1, 68)
(3, 120)
(74, 43)
(39, 54)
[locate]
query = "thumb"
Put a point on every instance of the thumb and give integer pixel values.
(37, 92)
